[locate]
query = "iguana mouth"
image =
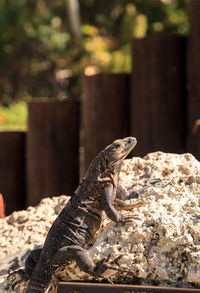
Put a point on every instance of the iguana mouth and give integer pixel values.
(131, 144)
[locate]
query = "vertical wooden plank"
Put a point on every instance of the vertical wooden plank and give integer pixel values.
(52, 149)
(105, 111)
(158, 94)
(193, 75)
(12, 170)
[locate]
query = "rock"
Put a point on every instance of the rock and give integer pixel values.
(23, 231)
(162, 245)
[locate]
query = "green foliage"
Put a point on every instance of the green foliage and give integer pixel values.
(13, 117)
(40, 56)
(108, 33)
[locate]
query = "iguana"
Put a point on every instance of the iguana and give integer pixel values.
(80, 219)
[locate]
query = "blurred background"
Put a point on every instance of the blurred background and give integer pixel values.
(74, 75)
(46, 45)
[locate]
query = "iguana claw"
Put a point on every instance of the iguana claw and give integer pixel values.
(128, 219)
(16, 277)
(105, 264)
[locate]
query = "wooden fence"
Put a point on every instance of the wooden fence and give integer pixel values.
(159, 103)
(158, 96)
(193, 81)
(52, 149)
(105, 111)
(12, 170)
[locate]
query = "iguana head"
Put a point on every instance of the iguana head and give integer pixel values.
(110, 159)
(118, 150)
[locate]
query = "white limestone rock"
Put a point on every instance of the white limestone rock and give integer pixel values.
(23, 231)
(161, 246)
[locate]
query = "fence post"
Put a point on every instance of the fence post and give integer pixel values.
(52, 149)
(12, 170)
(158, 93)
(105, 111)
(193, 75)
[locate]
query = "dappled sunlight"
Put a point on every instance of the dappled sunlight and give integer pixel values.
(41, 41)
(91, 70)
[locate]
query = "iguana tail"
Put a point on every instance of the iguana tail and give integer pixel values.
(41, 277)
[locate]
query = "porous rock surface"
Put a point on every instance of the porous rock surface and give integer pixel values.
(23, 231)
(161, 246)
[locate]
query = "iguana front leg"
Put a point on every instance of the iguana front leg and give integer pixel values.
(108, 205)
(121, 205)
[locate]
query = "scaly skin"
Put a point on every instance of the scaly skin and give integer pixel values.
(81, 218)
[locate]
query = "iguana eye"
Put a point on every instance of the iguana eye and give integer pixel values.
(117, 145)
